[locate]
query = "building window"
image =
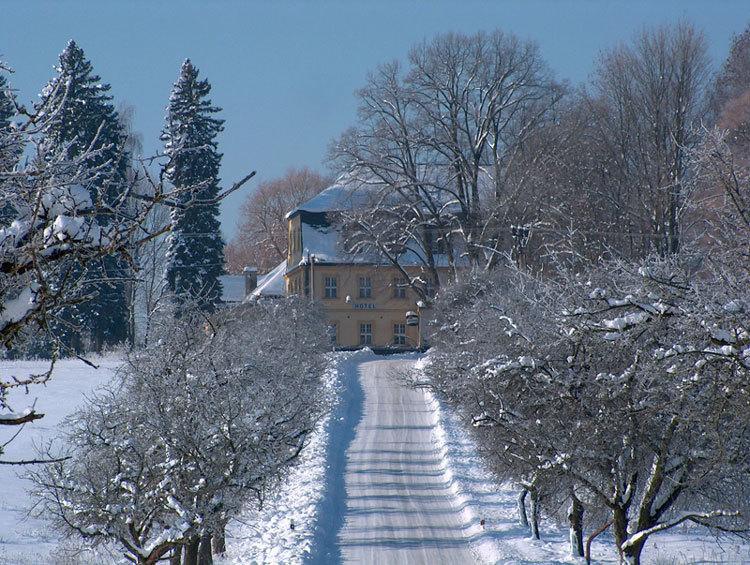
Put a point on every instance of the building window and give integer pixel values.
(399, 287)
(399, 334)
(365, 287)
(330, 287)
(365, 333)
(332, 331)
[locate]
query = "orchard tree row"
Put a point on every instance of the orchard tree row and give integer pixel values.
(201, 422)
(595, 333)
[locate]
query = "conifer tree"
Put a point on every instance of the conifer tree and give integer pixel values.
(195, 256)
(81, 115)
(10, 149)
(7, 110)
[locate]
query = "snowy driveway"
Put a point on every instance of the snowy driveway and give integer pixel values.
(397, 506)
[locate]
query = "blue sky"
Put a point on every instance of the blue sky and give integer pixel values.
(285, 72)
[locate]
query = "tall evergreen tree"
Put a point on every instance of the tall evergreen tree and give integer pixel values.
(195, 256)
(10, 149)
(81, 115)
(7, 109)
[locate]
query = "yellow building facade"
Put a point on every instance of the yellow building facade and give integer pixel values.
(366, 302)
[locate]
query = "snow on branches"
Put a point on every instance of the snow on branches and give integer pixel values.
(201, 422)
(58, 234)
(625, 387)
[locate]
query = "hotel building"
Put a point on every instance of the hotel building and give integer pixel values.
(366, 298)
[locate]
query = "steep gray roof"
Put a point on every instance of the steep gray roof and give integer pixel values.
(347, 193)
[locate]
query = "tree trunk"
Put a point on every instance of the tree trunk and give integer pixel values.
(523, 519)
(219, 541)
(592, 537)
(632, 553)
(176, 558)
(191, 551)
(534, 515)
(204, 552)
(575, 517)
(620, 528)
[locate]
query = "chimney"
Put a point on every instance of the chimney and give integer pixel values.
(251, 279)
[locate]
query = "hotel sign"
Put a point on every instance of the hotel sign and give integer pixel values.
(364, 306)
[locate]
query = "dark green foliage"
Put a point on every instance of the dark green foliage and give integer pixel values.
(81, 115)
(7, 110)
(195, 258)
(9, 146)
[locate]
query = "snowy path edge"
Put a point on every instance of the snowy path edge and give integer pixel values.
(266, 535)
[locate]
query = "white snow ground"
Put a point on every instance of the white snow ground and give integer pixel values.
(342, 514)
(265, 535)
(26, 540)
(315, 494)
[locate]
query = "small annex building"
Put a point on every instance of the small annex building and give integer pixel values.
(365, 297)
(239, 288)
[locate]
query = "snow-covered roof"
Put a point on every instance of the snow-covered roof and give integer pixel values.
(271, 284)
(232, 288)
(323, 243)
(354, 190)
(346, 193)
(321, 239)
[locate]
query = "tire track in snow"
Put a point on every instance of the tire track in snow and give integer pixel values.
(389, 493)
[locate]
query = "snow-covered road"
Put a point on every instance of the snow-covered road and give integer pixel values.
(394, 476)
(400, 509)
(397, 506)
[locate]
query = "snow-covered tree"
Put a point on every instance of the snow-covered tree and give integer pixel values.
(443, 134)
(7, 113)
(203, 421)
(10, 148)
(7, 109)
(80, 120)
(626, 386)
(196, 250)
(55, 232)
(647, 97)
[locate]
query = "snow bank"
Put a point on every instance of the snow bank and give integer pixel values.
(282, 530)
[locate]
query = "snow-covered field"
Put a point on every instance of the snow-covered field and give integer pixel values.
(25, 540)
(296, 519)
